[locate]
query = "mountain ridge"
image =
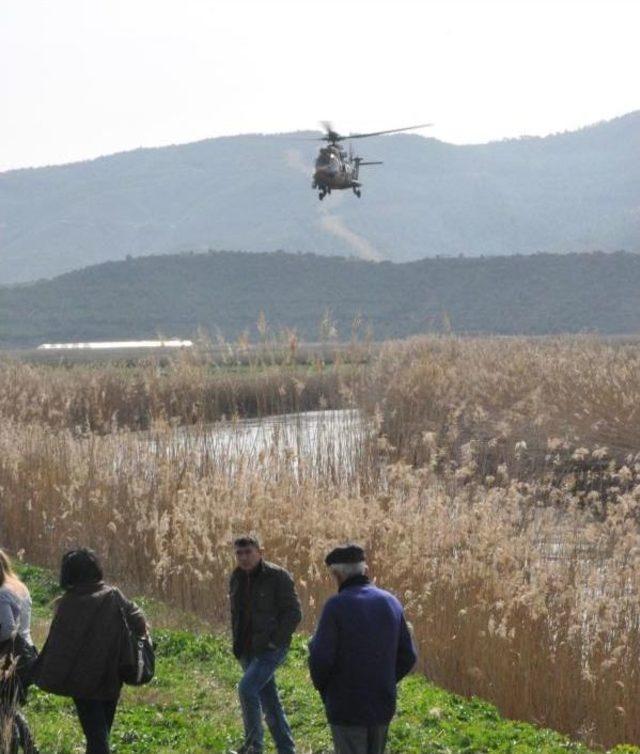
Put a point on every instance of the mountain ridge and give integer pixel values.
(314, 134)
(564, 192)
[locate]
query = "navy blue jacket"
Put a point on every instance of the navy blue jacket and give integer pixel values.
(361, 649)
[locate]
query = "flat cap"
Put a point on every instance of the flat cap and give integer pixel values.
(345, 554)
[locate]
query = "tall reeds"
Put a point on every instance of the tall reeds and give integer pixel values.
(186, 390)
(486, 482)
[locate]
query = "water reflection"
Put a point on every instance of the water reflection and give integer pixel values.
(323, 445)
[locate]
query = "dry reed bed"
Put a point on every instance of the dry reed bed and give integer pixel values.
(501, 501)
(554, 640)
(505, 400)
(185, 390)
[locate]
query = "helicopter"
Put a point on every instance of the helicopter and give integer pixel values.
(337, 169)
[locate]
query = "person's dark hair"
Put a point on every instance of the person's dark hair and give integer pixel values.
(246, 541)
(80, 566)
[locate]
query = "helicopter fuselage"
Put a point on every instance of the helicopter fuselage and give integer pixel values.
(335, 170)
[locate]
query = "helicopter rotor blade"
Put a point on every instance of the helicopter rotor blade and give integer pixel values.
(331, 134)
(390, 131)
(333, 137)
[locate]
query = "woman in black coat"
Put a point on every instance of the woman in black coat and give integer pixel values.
(81, 656)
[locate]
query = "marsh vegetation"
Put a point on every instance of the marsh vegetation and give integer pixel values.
(495, 484)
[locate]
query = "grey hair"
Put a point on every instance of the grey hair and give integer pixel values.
(347, 570)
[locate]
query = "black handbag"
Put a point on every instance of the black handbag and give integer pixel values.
(137, 664)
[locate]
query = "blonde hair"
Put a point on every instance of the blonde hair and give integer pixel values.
(8, 577)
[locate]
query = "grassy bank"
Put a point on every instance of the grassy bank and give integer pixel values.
(191, 706)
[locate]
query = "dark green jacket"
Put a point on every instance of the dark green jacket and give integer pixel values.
(274, 608)
(81, 655)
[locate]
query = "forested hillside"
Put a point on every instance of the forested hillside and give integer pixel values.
(226, 292)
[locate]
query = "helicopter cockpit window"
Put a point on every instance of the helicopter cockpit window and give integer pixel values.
(324, 158)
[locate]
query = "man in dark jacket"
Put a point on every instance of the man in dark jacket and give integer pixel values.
(265, 611)
(361, 649)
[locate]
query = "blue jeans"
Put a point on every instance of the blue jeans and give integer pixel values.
(258, 693)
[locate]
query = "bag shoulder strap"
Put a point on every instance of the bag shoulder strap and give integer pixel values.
(124, 606)
(121, 606)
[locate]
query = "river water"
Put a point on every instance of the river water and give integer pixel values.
(320, 444)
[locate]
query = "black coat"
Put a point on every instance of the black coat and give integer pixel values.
(274, 608)
(81, 655)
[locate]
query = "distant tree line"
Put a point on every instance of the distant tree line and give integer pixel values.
(229, 293)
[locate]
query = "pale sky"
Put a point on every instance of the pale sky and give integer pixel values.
(82, 78)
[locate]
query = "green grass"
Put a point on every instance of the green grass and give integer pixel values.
(191, 706)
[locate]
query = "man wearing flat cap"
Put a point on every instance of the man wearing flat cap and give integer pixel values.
(361, 648)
